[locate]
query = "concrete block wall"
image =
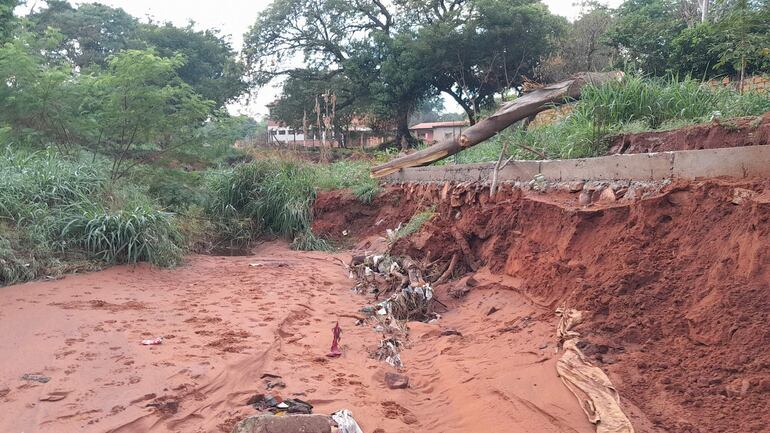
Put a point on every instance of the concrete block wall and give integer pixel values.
(736, 162)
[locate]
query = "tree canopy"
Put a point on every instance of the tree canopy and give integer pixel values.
(90, 33)
(395, 55)
(663, 37)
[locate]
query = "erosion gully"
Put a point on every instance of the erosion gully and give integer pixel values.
(672, 280)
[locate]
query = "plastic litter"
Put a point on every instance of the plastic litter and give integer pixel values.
(152, 341)
(335, 349)
(389, 352)
(35, 378)
(345, 422)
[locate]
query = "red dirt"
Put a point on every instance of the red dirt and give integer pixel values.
(341, 211)
(745, 131)
(676, 287)
(226, 321)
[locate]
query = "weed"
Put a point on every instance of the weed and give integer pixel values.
(126, 236)
(415, 223)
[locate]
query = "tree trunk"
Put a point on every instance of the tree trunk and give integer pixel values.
(467, 108)
(404, 138)
(511, 112)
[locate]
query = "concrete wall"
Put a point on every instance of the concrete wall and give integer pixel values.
(737, 162)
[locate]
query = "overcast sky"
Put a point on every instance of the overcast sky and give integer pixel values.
(233, 18)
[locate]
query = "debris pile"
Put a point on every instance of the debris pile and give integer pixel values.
(409, 298)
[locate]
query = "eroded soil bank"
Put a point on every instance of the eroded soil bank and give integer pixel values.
(744, 131)
(674, 282)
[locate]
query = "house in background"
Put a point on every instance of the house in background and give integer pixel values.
(432, 132)
(279, 133)
(358, 134)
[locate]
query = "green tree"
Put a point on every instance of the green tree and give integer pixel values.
(8, 22)
(91, 32)
(139, 100)
(300, 91)
(583, 47)
(364, 41)
(210, 67)
(644, 32)
(478, 48)
(663, 37)
(39, 101)
(745, 41)
(397, 54)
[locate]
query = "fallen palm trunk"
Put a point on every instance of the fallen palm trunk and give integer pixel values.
(593, 389)
(510, 113)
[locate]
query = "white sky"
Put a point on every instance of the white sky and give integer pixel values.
(234, 17)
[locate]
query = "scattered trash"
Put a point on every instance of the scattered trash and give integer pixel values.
(589, 384)
(411, 303)
(263, 402)
(344, 233)
(275, 384)
(254, 265)
(389, 352)
(335, 350)
(295, 406)
(396, 381)
(345, 422)
(166, 407)
(153, 341)
(36, 378)
(278, 405)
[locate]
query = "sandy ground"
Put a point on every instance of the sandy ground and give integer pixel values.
(226, 323)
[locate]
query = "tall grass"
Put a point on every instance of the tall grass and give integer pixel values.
(142, 234)
(52, 209)
(634, 105)
(275, 196)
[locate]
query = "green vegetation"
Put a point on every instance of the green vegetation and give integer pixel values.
(53, 210)
(415, 223)
(275, 197)
(637, 104)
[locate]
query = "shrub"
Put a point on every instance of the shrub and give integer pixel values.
(141, 234)
(275, 196)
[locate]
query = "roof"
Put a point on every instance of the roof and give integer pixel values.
(431, 125)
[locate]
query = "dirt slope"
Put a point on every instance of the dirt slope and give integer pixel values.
(745, 131)
(676, 286)
(226, 323)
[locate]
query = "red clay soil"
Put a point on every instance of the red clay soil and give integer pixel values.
(745, 131)
(229, 321)
(341, 212)
(676, 287)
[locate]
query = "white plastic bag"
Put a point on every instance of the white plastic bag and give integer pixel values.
(345, 422)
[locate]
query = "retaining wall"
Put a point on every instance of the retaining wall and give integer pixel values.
(737, 162)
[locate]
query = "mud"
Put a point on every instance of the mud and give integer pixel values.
(745, 131)
(675, 286)
(226, 322)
